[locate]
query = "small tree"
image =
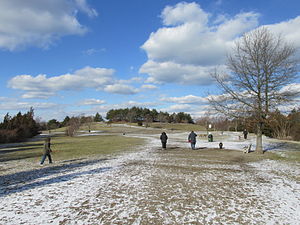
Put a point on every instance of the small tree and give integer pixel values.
(65, 122)
(73, 126)
(88, 121)
(53, 124)
(294, 118)
(280, 125)
(261, 66)
(98, 118)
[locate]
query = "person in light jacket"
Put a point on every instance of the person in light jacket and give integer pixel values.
(47, 151)
(164, 138)
(192, 139)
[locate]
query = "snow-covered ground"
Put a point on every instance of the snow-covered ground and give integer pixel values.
(152, 186)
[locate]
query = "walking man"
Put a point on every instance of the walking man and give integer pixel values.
(47, 151)
(192, 139)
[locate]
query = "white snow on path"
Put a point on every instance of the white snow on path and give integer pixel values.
(152, 186)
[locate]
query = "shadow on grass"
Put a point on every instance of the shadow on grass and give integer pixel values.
(18, 145)
(19, 182)
(199, 148)
(169, 148)
(179, 148)
(19, 149)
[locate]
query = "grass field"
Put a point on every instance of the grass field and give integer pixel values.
(112, 140)
(67, 148)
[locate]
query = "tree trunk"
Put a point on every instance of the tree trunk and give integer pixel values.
(259, 147)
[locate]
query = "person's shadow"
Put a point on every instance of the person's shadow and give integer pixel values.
(19, 182)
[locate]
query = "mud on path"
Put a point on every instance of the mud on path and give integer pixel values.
(154, 186)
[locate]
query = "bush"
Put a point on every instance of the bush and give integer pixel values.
(18, 128)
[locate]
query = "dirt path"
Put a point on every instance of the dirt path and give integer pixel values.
(152, 186)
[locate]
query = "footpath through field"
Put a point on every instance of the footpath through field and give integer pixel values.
(154, 186)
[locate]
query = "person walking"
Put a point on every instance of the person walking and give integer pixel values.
(164, 138)
(245, 133)
(47, 151)
(192, 139)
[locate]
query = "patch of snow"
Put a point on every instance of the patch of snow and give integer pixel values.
(154, 187)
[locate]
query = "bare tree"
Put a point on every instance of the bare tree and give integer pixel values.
(88, 121)
(73, 126)
(261, 67)
(281, 125)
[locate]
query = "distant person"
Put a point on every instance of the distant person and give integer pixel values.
(47, 151)
(192, 139)
(245, 133)
(221, 145)
(164, 138)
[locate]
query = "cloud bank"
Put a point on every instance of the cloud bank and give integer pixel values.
(41, 86)
(192, 42)
(40, 23)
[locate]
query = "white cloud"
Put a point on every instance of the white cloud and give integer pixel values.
(83, 6)
(121, 89)
(192, 42)
(148, 87)
(17, 105)
(185, 51)
(180, 108)
(100, 79)
(41, 86)
(39, 23)
(170, 72)
(233, 28)
(188, 99)
(184, 12)
(289, 30)
(92, 51)
(38, 94)
(294, 87)
(138, 104)
(92, 101)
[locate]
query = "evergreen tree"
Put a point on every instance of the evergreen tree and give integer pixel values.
(98, 118)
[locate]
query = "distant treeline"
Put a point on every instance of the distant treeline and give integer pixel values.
(138, 115)
(277, 124)
(22, 126)
(19, 127)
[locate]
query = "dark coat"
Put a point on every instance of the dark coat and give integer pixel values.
(163, 137)
(192, 137)
(47, 148)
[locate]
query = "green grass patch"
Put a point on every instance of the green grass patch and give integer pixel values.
(65, 148)
(72, 147)
(224, 156)
(132, 127)
(178, 126)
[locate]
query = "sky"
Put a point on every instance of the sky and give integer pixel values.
(80, 57)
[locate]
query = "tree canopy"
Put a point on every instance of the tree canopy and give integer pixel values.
(136, 114)
(261, 67)
(18, 127)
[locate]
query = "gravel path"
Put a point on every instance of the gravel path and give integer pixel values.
(153, 186)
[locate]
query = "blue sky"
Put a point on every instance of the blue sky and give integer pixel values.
(75, 57)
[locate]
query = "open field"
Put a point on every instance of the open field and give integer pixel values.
(69, 147)
(129, 179)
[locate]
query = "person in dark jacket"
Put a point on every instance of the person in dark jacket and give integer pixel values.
(47, 151)
(245, 133)
(164, 138)
(192, 139)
